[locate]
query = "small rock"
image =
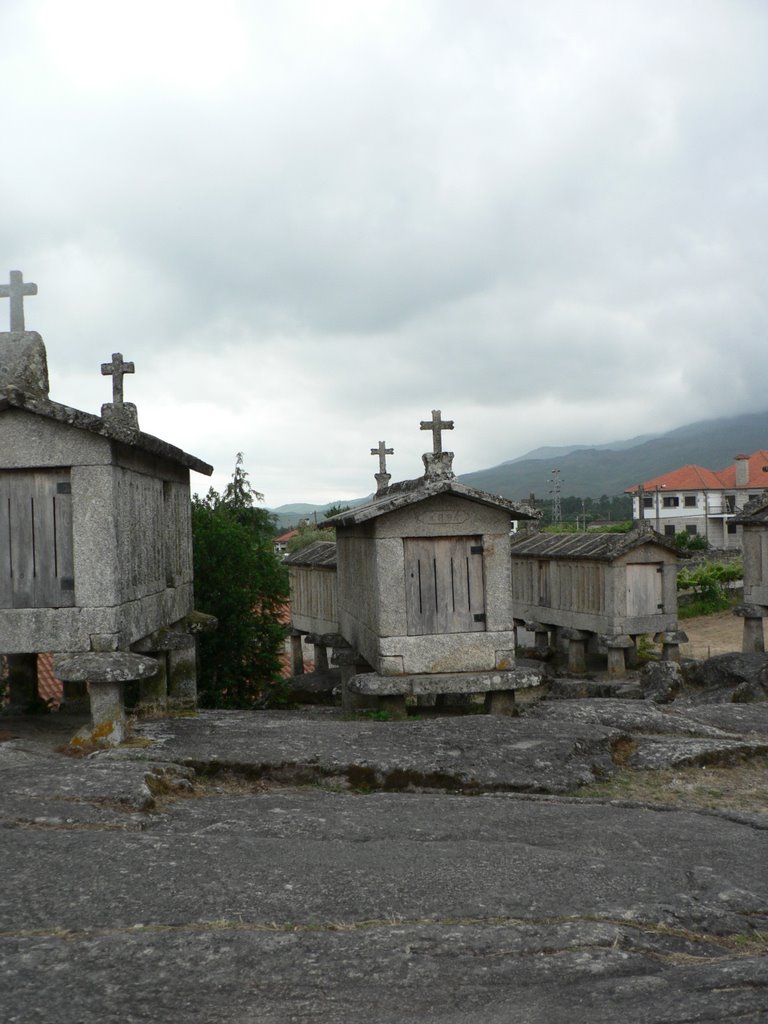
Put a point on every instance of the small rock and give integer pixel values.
(660, 681)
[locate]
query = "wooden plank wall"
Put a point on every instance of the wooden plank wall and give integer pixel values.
(553, 583)
(313, 592)
(36, 563)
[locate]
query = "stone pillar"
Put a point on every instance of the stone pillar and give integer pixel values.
(349, 663)
(182, 677)
(321, 658)
(176, 684)
(153, 692)
(105, 673)
(615, 648)
(540, 637)
(577, 650)
(616, 664)
(753, 640)
(500, 702)
(394, 705)
(107, 711)
(22, 681)
(297, 655)
(670, 641)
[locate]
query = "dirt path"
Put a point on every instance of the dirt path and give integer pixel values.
(712, 634)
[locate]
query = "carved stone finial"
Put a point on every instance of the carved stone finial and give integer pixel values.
(382, 477)
(15, 291)
(438, 465)
(436, 425)
(117, 370)
(119, 412)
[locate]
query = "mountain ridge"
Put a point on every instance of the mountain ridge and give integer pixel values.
(594, 470)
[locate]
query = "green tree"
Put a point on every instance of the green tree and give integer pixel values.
(240, 580)
(335, 510)
(709, 583)
(308, 534)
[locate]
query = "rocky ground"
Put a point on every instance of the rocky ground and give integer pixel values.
(592, 860)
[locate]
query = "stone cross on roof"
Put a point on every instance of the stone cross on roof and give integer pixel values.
(382, 451)
(15, 291)
(116, 370)
(436, 425)
(382, 477)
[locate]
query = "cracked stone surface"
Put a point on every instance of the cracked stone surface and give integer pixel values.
(140, 887)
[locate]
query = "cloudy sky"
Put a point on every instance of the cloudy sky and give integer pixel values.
(311, 223)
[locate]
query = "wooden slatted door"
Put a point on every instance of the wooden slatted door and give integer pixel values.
(444, 585)
(36, 567)
(644, 589)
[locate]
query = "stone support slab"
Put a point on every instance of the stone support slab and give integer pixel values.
(373, 684)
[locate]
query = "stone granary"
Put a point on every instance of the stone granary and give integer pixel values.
(314, 615)
(423, 589)
(95, 541)
(607, 588)
(754, 525)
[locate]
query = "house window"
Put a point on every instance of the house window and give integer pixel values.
(753, 497)
(647, 502)
(730, 502)
(731, 527)
(690, 501)
(691, 529)
(669, 530)
(670, 501)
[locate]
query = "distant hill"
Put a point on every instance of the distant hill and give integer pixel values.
(289, 515)
(591, 472)
(550, 452)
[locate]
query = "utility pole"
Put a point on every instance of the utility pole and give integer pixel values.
(557, 514)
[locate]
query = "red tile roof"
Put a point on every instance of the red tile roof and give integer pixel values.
(286, 536)
(697, 478)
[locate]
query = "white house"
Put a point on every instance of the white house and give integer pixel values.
(702, 501)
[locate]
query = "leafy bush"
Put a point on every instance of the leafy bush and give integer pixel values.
(690, 541)
(240, 580)
(709, 585)
(308, 535)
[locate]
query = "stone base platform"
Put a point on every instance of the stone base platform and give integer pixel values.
(499, 687)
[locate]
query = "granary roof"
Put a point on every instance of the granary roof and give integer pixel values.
(754, 512)
(697, 478)
(410, 492)
(593, 546)
(39, 405)
(320, 553)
